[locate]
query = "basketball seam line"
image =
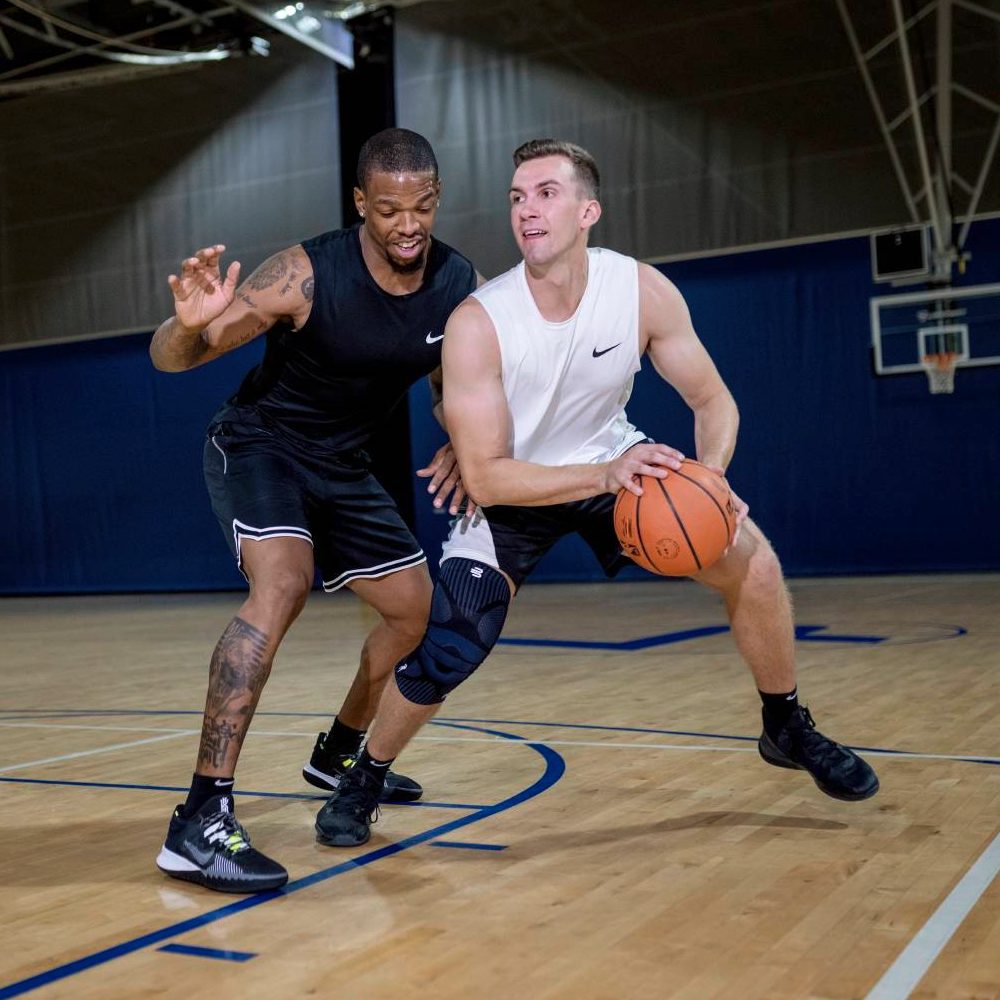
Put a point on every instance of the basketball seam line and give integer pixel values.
(638, 533)
(680, 523)
(718, 506)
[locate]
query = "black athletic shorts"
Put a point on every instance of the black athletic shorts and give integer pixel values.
(263, 485)
(514, 539)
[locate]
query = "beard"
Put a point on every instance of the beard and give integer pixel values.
(408, 266)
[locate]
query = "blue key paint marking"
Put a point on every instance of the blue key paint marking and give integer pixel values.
(225, 956)
(468, 847)
(555, 767)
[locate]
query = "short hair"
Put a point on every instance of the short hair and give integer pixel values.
(395, 151)
(584, 165)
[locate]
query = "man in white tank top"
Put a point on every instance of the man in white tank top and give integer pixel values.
(538, 367)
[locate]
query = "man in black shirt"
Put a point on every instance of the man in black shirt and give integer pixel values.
(353, 318)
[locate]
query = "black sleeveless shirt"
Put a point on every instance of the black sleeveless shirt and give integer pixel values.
(333, 382)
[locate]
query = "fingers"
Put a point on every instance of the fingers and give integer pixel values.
(742, 509)
(445, 485)
(657, 454)
(232, 277)
(431, 467)
(456, 499)
(201, 270)
(441, 467)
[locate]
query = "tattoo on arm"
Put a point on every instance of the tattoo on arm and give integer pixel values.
(243, 297)
(308, 286)
(269, 273)
(240, 665)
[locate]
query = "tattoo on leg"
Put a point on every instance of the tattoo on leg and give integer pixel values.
(240, 665)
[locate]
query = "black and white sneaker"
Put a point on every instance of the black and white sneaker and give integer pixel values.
(212, 849)
(325, 769)
(838, 771)
(346, 818)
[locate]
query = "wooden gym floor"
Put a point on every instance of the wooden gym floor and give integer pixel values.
(597, 824)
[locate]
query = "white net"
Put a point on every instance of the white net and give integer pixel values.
(940, 370)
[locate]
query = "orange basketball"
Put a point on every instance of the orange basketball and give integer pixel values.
(680, 525)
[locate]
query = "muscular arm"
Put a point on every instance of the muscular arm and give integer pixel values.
(436, 379)
(479, 423)
(680, 358)
(280, 289)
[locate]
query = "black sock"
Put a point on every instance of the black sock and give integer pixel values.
(778, 709)
(205, 787)
(378, 769)
(343, 740)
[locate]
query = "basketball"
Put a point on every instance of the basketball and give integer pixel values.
(680, 525)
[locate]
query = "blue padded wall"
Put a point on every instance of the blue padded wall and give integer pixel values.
(100, 455)
(844, 471)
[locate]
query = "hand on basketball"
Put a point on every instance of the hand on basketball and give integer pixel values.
(641, 460)
(446, 479)
(741, 507)
(201, 293)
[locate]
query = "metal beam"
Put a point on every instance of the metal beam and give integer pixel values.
(943, 116)
(980, 183)
(343, 57)
(941, 245)
(95, 50)
(897, 165)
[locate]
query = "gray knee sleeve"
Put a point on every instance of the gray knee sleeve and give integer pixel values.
(467, 614)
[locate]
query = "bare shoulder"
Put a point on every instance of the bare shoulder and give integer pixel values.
(469, 318)
(655, 284)
(662, 309)
(470, 342)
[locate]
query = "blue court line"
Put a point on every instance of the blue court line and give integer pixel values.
(304, 797)
(606, 729)
(685, 732)
(469, 847)
(803, 633)
(666, 639)
(226, 956)
(439, 721)
(555, 767)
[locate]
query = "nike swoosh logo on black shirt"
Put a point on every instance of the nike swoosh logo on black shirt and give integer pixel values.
(598, 353)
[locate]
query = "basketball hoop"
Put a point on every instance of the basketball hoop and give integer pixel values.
(940, 370)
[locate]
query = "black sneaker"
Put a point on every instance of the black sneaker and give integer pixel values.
(346, 818)
(838, 771)
(212, 849)
(325, 769)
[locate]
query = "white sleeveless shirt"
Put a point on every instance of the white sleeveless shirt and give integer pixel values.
(567, 383)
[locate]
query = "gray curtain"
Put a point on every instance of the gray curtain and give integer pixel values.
(716, 123)
(104, 190)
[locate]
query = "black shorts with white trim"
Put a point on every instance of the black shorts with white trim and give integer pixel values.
(262, 485)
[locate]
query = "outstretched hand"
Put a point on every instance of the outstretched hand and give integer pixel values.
(446, 479)
(641, 460)
(201, 293)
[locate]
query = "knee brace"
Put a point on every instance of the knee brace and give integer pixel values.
(468, 610)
